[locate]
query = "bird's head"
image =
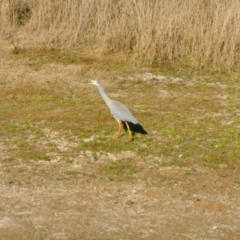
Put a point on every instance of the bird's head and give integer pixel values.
(94, 82)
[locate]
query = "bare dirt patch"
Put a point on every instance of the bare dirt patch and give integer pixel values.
(63, 177)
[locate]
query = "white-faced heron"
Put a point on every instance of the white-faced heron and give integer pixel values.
(121, 113)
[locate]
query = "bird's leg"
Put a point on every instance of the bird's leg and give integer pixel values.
(119, 129)
(131, 138)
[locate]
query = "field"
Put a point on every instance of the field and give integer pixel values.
(175, 65)
(64, 177)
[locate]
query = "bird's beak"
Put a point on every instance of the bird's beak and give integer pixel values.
(91, 82)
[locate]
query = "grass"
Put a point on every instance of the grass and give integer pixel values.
(196, 121)
(124, 169)
(186, 34)
(38, 57)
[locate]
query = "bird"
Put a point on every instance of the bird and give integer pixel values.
(121, 113)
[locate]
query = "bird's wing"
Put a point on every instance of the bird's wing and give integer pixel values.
(121, 112)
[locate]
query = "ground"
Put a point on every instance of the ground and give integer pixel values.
(64, 177)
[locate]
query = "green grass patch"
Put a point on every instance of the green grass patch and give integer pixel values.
(120, 170)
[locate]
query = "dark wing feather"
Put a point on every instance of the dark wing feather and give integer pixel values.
(135, 128)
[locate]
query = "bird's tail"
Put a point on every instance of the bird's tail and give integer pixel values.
(135, 128)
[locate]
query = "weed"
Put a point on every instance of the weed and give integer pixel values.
(95, 157)
(10, 181)
(21, 170)
(237, 183)
(189, 173)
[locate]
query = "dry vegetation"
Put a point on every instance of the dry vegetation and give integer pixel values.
(63, 177)
(61, 174)
(197, 33)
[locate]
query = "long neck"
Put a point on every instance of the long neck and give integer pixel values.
(104, 95)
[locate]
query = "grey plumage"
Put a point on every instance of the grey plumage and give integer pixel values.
(121, 113)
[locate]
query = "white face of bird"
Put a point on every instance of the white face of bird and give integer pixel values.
(94, 82)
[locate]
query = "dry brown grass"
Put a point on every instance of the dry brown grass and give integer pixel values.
(199, 33)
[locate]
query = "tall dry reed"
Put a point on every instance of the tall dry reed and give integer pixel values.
(200, 33)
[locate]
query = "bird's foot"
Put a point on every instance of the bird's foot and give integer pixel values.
(131, 139)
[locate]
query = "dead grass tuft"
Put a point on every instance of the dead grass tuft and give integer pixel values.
(21, 13)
